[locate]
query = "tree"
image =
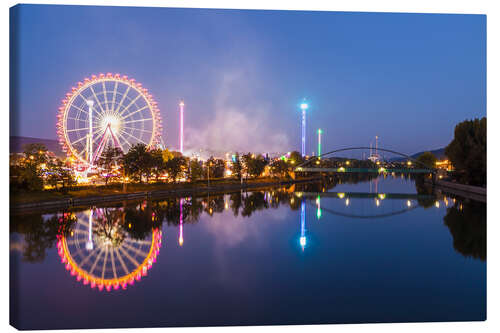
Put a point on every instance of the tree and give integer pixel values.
(427, 159)
(175, 166)
(467, 151)
(279, 167)
(109, 161)
(295, 158)
(254, 166)
(217, 167)
(466, 221)
(236, 166)
(195, 171)
(137, 162)
(159, 166)
(40, 232)
(36, 154)
(27, 172)
(60, 174)
(167, 154)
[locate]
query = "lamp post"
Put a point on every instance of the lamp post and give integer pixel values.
(208, 172)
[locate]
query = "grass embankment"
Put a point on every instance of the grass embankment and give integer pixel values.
(119, 188)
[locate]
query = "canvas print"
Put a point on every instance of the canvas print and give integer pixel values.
(214, 167)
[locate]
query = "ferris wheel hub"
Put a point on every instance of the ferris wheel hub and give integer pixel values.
(113, 121)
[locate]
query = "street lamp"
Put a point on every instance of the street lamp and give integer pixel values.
(208, 172)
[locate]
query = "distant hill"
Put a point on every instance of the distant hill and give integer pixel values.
(439, 153)
(17, 144)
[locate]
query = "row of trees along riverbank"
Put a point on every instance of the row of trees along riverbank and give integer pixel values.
(38, 175)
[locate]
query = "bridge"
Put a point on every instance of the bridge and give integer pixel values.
(303, 167)
(363, 170)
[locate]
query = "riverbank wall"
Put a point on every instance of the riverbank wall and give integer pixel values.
(112, 198)
(467, 191)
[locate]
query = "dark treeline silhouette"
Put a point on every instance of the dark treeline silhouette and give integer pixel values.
(466, 220)
(40, 232)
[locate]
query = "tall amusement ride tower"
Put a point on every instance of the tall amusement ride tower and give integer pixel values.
(304, 107)
(181, 124)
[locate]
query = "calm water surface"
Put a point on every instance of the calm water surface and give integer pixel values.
(375, 251)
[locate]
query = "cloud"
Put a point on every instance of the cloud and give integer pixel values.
(241, 121)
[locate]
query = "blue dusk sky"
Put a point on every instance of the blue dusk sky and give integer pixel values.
(408, 78)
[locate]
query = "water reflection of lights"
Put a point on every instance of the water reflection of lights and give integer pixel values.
(408, 203)
(377, 202)
(181, 221)
(303, 242)
(347, 202)
(437, 204)
(318, 209)
(115, 259)
(303, 239)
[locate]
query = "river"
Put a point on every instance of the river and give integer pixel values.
(348, 251)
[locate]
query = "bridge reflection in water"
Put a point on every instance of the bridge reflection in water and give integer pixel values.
(405, 202)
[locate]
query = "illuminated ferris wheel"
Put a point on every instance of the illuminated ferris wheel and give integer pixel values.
(100, 253)
(107, 110)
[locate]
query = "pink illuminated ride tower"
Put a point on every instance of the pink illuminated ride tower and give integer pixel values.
(181, 124)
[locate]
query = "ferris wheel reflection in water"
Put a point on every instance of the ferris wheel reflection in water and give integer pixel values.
(101, 252)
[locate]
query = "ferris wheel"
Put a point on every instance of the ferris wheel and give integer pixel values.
(100, 253)
(107, 110)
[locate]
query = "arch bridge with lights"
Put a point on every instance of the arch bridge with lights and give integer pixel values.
(309, 165)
